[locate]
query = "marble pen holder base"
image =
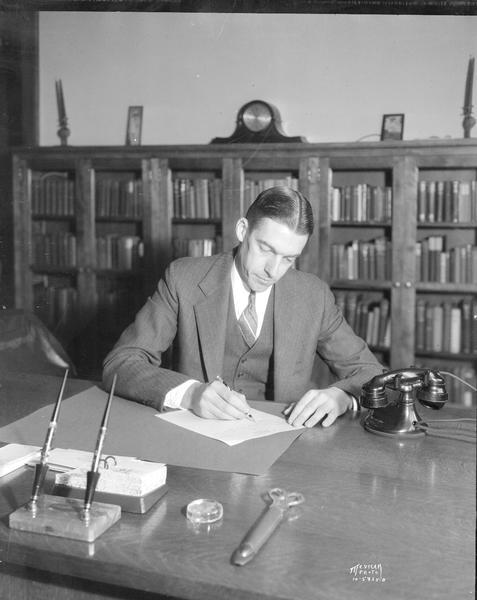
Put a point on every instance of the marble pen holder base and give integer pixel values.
(128, 503)
(63, 517)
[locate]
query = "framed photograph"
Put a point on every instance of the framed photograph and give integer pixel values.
(393, 127)
(134, 126)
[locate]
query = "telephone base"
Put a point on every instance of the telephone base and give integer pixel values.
(394, 420)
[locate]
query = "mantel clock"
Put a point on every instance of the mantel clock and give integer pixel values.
(258, 121)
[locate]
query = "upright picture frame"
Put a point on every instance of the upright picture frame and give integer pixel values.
(134, 126)
(392, 127)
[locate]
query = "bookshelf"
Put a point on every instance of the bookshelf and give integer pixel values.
(197, 213)
(395, 235)
(446, 269)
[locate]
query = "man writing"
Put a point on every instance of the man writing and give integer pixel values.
(245, 316)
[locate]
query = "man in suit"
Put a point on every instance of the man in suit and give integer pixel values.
(250, 318)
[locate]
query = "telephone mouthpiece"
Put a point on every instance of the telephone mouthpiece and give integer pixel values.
(373, 397)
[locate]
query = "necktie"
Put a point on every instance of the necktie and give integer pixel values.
(248, 321)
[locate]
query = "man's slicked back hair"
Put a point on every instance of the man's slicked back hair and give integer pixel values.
(284, 205)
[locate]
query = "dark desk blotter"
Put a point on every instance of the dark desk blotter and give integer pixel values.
(133, 430)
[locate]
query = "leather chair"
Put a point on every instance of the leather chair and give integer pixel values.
(26, 345)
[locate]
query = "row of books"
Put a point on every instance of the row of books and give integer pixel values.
(369, 317)
(195, 247)
(435, 263)
(52, 194)
(446, 326)
(438, 201)
(361, 202)
(362, 260)
(446, 201)
(198, 198)
(122, 252)
(56, 249)
(113, 251)
(253, 187)
(116, 198)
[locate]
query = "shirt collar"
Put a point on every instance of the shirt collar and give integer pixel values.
(241, 293)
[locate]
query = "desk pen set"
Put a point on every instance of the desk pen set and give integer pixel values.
(62, 515)
(59, 516)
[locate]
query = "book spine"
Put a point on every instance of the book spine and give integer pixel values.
(420, 325)
(422, 202)
(446, 326)
(439, 201)
(466, 335)
(383, 321)
(431, 202)
(455, 330)
(473, 313)
(437, 329)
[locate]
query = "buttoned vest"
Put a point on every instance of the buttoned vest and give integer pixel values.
(250, 370)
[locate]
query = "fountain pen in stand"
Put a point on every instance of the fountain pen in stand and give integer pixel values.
(41, 468)
(93, 475)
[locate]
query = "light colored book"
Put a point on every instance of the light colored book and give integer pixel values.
(455, 330)
(14, 456)
(437, 331)
(129, 477)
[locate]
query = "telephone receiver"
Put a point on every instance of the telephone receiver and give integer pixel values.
(391, 400)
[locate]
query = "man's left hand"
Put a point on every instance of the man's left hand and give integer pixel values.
(316, 405)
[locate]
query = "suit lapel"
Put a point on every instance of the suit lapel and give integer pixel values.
(211, 315)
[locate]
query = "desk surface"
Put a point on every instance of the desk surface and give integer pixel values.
(406, 508)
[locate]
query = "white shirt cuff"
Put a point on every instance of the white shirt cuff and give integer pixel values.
(174, 397)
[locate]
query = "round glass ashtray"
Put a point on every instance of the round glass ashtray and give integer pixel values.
(204, 511)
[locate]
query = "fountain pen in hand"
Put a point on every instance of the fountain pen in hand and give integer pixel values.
(215, 400)
(248, 414)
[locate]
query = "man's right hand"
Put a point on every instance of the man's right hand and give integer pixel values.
(215, 401)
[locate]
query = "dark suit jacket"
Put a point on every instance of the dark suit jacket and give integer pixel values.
(191, 303)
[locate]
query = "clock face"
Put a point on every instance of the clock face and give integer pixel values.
(257, 116)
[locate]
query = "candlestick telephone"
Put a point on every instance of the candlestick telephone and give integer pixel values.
(391, 400)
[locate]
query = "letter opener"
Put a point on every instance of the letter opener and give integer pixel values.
(266, 524)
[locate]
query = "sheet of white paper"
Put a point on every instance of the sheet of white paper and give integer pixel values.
(229, 432)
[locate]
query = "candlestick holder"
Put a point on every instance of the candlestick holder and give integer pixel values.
(63, 132)
(467, 123)
(469, 120)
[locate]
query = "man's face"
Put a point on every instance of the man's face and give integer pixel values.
(266, 252)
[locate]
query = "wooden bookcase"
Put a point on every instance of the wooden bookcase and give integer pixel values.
(153, 203)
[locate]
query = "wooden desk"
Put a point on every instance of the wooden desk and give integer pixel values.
(407, 507)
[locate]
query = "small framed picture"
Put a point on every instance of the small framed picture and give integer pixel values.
(134, 126)
(393, 127)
